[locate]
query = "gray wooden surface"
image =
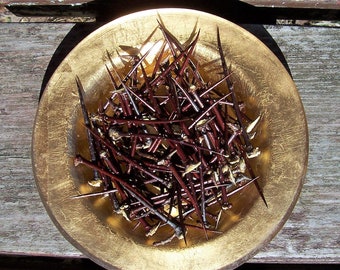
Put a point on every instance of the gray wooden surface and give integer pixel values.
(311, 235)
(271, 3)
(331, 4)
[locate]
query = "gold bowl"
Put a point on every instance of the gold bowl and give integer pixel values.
(267, 89)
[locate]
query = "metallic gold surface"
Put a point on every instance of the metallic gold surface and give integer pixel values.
(262, 82)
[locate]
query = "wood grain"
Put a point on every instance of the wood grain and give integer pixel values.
(330, 4)
(247, 11)
(312, 233)
(263, 3)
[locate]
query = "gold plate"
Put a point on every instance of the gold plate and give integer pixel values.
(247, 227)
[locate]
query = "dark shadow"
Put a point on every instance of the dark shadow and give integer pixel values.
(77, 33)
(262, 34)
(233, 10)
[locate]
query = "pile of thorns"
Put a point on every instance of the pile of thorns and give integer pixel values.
(168, 148)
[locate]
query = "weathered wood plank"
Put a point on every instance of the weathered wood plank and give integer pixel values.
(262, 3)
(70, 11)
(246, 11)
(313, 56)
(310, 236)
(329, 4)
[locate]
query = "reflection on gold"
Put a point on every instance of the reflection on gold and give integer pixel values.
(85, 188)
